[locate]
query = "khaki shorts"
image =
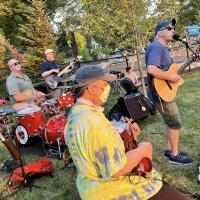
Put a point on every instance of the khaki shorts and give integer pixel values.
(170, 114)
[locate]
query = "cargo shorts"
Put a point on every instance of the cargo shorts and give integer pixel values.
(170, 114)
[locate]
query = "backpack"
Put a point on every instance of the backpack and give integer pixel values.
(22, 175)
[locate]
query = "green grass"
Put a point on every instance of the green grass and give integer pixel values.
(62, 185)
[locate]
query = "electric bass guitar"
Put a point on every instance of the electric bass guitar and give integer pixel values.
(167, 90)
(53, 80)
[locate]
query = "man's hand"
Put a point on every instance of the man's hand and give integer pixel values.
(147, 149)
(174, 78)
(55, 70)
(132, 127)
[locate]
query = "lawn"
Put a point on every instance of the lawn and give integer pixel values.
(62, 184)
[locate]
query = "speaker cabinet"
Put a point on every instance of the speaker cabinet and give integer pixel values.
(134, 106)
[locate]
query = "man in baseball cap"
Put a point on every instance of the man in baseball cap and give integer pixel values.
(98, 151)
(164, 24)
(158, 61)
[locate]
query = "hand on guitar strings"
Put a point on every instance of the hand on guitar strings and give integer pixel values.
(174, 78)
(132, 127)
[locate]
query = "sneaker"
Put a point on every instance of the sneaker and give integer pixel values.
(167, 153)
(180, 159)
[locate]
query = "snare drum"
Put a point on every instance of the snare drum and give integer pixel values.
(66, 100)
(29, 125)
(54, 132)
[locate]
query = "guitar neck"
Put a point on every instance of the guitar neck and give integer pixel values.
(181, 70)
(65, 70)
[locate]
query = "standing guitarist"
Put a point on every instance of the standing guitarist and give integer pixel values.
(50, 67)
(158, 61)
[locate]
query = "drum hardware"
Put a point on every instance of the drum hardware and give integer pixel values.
(59, 149)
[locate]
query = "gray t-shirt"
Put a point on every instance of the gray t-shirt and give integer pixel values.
(17, 84)
(156, 54)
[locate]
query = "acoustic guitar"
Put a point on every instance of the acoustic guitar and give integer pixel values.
(53, 80)
(167, 90)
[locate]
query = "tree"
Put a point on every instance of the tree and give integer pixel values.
(12, 14)
(5, 51)
(121, 24)
(38, 35)
(189, 12)
(82, 46)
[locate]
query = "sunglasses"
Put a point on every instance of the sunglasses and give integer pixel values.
(15, 64)
(169, 28)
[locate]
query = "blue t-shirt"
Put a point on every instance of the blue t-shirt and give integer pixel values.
(156, 54)
(48, 65)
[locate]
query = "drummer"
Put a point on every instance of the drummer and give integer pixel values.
(21, 90)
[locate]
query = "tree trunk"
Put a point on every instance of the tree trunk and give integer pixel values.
(141, 75)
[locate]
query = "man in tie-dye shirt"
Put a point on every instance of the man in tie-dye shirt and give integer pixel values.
(98, 150)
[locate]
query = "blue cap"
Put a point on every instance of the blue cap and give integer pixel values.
(91, 73)
(165, 24)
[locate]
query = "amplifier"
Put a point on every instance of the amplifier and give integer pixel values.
(134, 106)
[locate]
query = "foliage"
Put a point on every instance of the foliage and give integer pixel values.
(37, 35)
(12, 14)
(189, 12)
(119, 24)
(5, 51)
(82, 46)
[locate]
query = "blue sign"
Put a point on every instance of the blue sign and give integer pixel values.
(193, 30)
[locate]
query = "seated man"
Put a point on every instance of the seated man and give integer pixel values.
(98, 151)
(21, 90)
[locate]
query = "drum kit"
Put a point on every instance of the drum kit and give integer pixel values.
(48, 122)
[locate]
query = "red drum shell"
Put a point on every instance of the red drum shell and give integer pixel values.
(55, 130)
(33, 123)
(66, 100)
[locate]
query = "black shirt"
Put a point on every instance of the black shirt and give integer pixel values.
(48, 65)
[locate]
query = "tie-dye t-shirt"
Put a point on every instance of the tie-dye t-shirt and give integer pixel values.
(98, 153)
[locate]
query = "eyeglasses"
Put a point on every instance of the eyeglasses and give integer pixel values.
(15, 64)
(169, 28)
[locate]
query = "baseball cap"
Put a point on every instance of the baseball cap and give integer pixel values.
(48, 51)
(165, 24)
(91, 73)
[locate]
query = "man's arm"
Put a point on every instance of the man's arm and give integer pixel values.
(164, 75)
(144, 150)
(47, 73)
(28, 96)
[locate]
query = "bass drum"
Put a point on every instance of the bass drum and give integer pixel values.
(33, 122)
(54, 132)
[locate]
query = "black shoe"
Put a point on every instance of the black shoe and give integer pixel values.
(167, 153)
(180, 159)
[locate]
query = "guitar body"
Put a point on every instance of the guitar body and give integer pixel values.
(145, 165)
(166, 89)
(52, 81)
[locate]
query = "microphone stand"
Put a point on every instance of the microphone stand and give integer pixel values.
(195, 56)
